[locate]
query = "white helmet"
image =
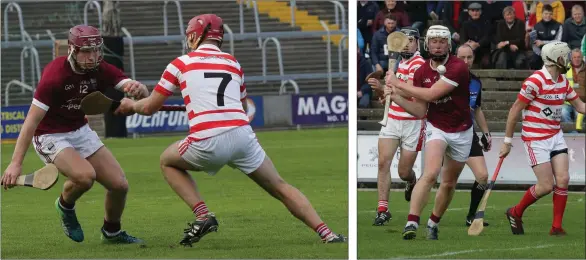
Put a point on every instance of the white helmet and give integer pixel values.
(553, 51)
(438, 31)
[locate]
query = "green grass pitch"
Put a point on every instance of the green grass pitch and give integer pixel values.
(252, 224)
(495, 242)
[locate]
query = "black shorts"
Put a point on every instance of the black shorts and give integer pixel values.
(476, 149)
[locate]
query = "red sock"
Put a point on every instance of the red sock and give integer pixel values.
(435, 218)
(529, 198)
(383, 205)
(560, 197)
(322, 230)
(200, 209)
(413, 218)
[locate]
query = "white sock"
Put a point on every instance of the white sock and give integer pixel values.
(412, 223)
(112, 234)
(430, 223)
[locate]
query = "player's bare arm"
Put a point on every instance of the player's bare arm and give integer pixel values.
(438, 90)
(512, 120)
(14, 169)
(579, 105)
(149, 105)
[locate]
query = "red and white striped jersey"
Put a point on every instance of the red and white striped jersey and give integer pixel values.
(405, 72)
(541, 118)
(212, 86)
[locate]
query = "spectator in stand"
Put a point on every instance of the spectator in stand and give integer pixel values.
(453, 16)
(521, 10)
(434, 9)
(576, 77)
(378, 53)
(558, 12)
(575, 28)
(545, 31)
(569, 4)
(391, 8)
(476, 33)
(364, 90)
(360, 41)
(510, 38)
(416, 10)
(366, 13)
(493, 10)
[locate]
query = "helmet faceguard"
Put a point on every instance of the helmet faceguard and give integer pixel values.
(442, 32)
(85, 51)
(204, 27)
(413, 35)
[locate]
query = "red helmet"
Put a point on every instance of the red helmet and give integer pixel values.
(85, 38)
(205, 27)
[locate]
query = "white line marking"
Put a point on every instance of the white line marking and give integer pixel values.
(475, 251)
(465, 190)
(487, 207)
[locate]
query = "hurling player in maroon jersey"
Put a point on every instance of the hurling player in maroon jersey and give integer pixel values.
(60, 133)
(444, 99)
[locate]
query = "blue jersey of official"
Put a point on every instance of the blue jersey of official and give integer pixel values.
(475, 93)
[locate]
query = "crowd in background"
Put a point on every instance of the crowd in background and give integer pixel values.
(503, 34)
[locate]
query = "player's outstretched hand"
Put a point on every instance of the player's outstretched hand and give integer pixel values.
(126, 107)
(505, 150)
(136, 89)
(10, 175)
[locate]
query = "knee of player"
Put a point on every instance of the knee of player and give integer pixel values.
(384, 165)
(482, 178)
(544, 188)
(450, 184)
(562, 178)
(120, 186)
(85, 179)
(428, 178)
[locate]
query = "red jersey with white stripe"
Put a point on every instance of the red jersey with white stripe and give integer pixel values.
(212, 86)
(405, 72)
(545, 96)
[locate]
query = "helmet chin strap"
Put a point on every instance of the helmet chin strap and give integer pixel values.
(407, 55)
(73, 63)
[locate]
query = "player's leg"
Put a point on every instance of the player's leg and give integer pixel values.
(109, 173)
(80, 178)
(174, 168)
(560, 165)
(406, 172)
(413, 139)
(477, 165)
(449, 178)
(259, 167)
(56, 149)
(435, 147)
(456, 156)
(267, 177)
(387, 147)
(539, 158)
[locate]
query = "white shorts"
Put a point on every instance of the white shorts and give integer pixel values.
(410, 132)
(84, 140)
(540, 151)
(237, 148)
(459, 144)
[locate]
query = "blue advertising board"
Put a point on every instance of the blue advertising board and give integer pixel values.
(320, 109)
(177, 121)
(12, 120)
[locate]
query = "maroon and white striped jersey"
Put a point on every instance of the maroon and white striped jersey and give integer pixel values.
(212, 86)
(545, 98)
(405, 72)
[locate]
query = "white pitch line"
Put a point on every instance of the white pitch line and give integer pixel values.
(476, 251)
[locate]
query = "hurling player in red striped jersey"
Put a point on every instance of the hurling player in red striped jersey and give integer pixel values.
(540, 100)
(212, 85)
